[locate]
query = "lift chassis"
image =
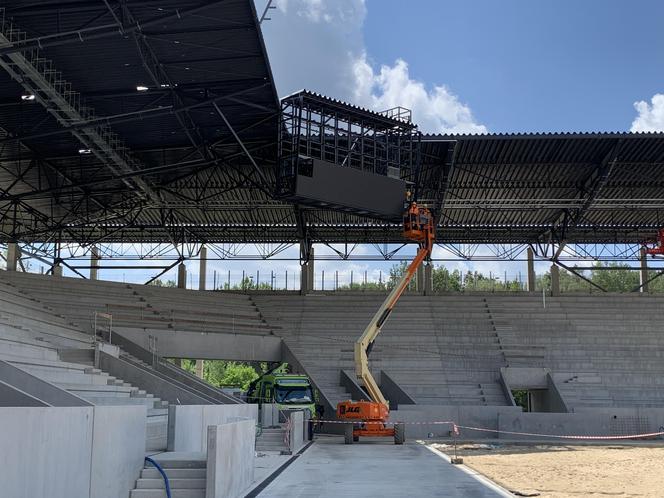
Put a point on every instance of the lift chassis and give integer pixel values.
(368, 418)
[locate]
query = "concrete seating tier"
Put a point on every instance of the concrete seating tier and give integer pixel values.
(32, 351)
(602, 350)
(140, 306)
(439, 351)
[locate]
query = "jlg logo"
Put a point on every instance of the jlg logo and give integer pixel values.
(350, 409)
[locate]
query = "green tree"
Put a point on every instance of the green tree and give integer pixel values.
(225, 373)
(615, 277)
(160, 283)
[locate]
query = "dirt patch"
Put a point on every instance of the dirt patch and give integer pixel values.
(569, 471)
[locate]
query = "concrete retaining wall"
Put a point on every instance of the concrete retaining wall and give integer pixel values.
(87, 452)
(230, 458)
(187, 424)
(475, 416)
(213, 345)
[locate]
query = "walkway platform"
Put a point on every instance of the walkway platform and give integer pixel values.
(329, 468)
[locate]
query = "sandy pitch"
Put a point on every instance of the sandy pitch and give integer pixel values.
(569, 471)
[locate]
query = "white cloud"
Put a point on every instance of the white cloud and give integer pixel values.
(651, 115)
(435, 111)
(319, 45)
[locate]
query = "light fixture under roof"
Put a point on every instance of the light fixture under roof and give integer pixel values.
(141, 88)
(84, 151)
(28, 96)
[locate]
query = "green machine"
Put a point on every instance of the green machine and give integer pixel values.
(287, 390)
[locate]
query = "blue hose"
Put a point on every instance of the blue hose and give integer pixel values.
(163, 474)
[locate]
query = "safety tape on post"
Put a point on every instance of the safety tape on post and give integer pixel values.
(455, 429)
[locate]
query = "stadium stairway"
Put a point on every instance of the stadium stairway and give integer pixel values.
(187, 477)
(46, 345)
(439, 350)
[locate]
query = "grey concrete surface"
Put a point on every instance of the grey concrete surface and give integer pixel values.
(188, 424)
(46, 452)
(205, 346)
(297, 437)
(329, 468)
(118, 449)
(230, 458)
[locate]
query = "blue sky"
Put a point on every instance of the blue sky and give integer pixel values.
(467, 66)
(480, 65)
(523, 65)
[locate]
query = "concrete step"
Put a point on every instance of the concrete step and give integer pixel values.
(152, 473)
(161, 493)
(175, 483)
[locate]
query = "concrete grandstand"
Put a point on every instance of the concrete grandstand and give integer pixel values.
(185, 166)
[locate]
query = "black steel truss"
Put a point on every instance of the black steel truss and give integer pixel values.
(190, 157)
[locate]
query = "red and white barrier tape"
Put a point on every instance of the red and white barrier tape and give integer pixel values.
(455, 428)
(559, 436)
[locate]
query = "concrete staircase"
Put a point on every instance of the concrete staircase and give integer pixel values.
(186, 475)
(440, 351)
(272, 439)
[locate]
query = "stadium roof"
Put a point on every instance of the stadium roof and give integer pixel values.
(157, 121)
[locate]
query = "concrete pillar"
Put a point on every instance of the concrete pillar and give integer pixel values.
(177, 362)
(307, 274)
(643, 273)
(94, 263)
(428, 279)
(182, 276)
(419, 279)
(531, 270)
(202, 272)
(57, 270)
(199, 368)
(13, 253)
(555, 280)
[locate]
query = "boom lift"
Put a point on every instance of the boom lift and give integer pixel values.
(369, 418)
(658, 250)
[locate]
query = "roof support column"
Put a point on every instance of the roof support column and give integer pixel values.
(419, 279)
(555, 280)
(643, 273)
(202, 270)
(199, 368)
(13, 255)
(182, 276)
(531, 270)
(306, 269)
(94, 263)
(57, 270)
(428, 278)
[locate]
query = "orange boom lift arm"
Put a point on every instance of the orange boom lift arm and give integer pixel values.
(371, 416)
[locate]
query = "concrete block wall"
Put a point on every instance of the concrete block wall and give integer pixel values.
(188, 424)
(86, 452)
(230, 458)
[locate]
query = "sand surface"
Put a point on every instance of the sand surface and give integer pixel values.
(569, 471)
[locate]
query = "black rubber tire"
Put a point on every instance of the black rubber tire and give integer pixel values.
(399, 433)
(356, 439)
(348, 434)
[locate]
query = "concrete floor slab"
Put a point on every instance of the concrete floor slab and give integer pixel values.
(329, 468)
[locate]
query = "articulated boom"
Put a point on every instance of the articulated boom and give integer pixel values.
(418, 227)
